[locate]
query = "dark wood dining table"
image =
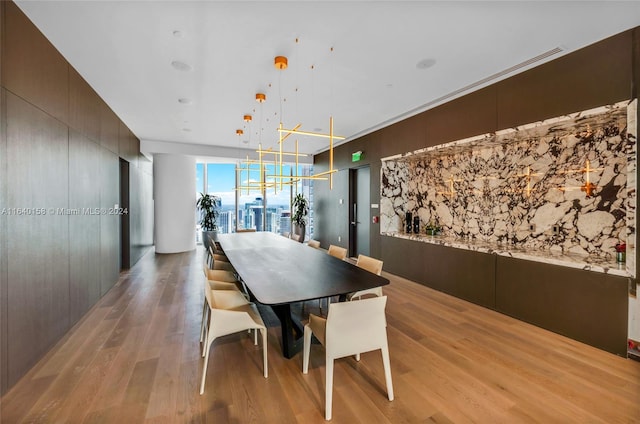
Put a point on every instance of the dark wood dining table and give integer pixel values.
(279, 272)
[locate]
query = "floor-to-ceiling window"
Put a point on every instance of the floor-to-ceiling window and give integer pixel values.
(265, 207)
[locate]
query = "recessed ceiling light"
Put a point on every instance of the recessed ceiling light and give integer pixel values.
(186, 129)
(426, 63)
(317, 129)
(177, 34)
(245, 141)
(180, 66)
(185, 101)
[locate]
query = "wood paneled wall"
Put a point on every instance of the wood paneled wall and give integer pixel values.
(603, 73)
(60, 146)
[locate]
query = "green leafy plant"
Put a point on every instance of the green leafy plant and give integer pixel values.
(208, 205)
(432, 228)
(301, 210)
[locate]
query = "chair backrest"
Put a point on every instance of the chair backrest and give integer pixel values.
(337, 252)
(356, 327)
(370, 264)
(314, 243)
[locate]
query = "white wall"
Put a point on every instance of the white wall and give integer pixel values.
(175, 200)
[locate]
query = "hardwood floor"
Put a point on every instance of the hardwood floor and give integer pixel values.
(134, 358)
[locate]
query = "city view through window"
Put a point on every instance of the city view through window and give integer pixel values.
(262, 211)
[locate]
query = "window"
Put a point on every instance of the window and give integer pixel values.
(267, 210)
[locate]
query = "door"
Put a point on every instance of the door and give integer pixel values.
(360, 214)
(125, 252)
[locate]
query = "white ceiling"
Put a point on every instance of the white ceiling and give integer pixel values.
(125, 50)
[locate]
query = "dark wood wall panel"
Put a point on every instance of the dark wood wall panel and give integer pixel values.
(84, 228)
(59, 147)
(462, 273)
(129, 145)
(3, 222)
(109, 177)
(597, 75)
(84, 107)
(464, 117)
(38, 247)
(588, 306)
(404, 258)
(109, 128)
(32, 68)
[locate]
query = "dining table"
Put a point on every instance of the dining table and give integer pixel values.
(280, 272)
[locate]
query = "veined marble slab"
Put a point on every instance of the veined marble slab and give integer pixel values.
(563, 186)
(587, 263)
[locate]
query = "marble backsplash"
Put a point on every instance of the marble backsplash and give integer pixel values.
(565, 184)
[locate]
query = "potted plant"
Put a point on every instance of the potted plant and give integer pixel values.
(300, 206)
(208, 205)
(432, 228)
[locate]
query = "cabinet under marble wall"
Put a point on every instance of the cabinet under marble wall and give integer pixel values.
(564, 185)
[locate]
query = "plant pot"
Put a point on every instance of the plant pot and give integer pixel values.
(206, 235)
(299, 230)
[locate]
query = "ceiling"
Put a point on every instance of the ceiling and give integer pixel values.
(390, 59)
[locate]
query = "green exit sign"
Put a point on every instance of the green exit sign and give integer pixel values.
(356, 156)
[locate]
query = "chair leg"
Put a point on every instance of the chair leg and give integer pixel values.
(204, 318)
(387, 371)
(306, 348)
(357, 357)
(263, 332)
(329, 388)
(204, 365)
(255, 336)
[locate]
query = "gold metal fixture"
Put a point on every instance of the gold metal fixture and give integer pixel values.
(239, 132)
(528, 176)
(588, 187)
(247, 118)
(280, 62)
(450, 182)
(261, 97)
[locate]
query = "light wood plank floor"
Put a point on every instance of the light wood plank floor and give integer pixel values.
(134, 358)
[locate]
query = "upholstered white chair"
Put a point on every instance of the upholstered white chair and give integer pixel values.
(337, 252)
(216, 280)
(372, 265)
(231, 313)
(350, 328)
(314, 243)
(217, 256)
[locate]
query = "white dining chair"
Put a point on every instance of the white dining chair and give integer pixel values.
(314, 243)
(337, 252)
(231, 313)
(350, 328)
(372, 265)
(216, 280)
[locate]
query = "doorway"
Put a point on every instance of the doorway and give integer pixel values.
(359, 213)
(125, 249)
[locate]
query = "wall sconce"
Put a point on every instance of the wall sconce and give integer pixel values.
(588, 187)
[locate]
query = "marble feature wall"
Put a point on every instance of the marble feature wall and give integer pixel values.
(526, 186)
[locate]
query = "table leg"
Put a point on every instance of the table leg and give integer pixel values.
(292, 331)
